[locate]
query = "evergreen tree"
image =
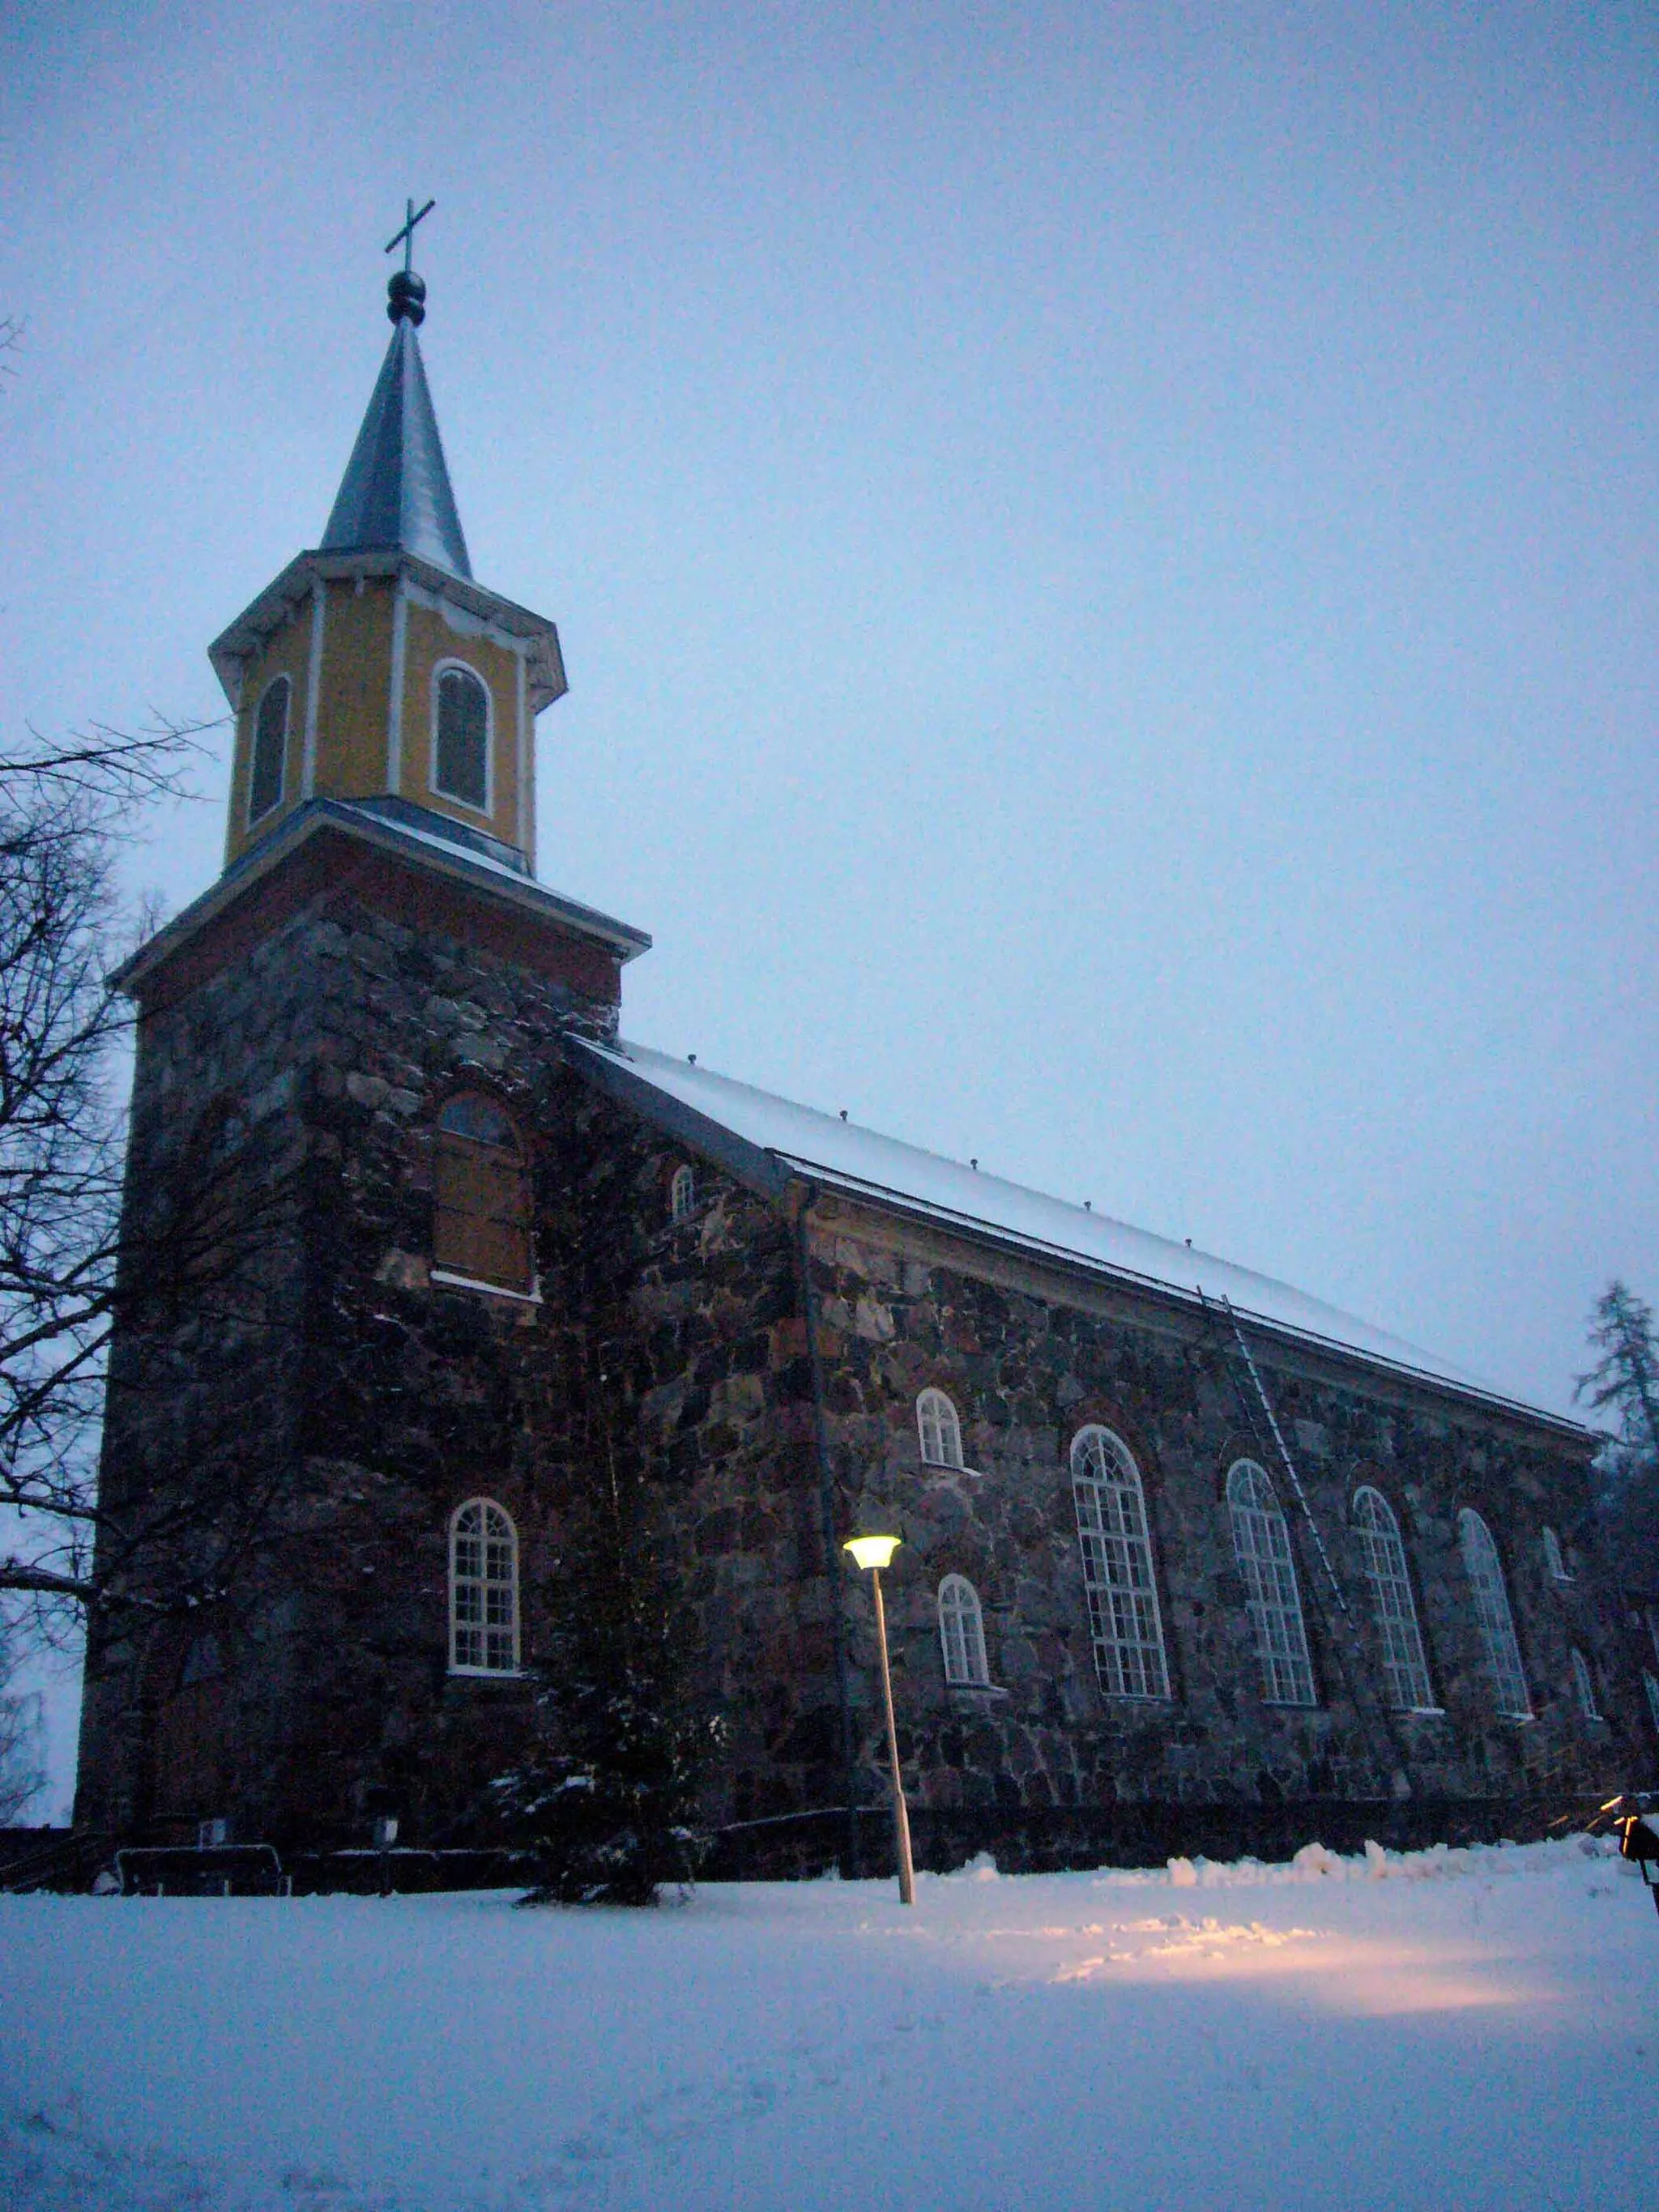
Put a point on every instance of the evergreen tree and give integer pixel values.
(1626, 1382)
(608, 1798)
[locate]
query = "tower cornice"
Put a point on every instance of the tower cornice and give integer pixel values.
(517, 628)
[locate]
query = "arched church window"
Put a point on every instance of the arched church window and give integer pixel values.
(1261, 1544)
(460, 738)
(683, 1194)
(1405, 1666)
(1584, 1682)
(1650, 1684)
(962, 1632)
(939, 1429)
(1555, 1564)
(481, 1216)
(1491, 1606)
(264, 785)
(483, 1590)
(1117, 1567)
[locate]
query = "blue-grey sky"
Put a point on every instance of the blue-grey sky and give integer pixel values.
(1106, 555)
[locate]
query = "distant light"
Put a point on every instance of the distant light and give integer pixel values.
(872, 1551)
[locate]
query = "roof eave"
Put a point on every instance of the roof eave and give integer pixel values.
(340, 816)
(248, 633)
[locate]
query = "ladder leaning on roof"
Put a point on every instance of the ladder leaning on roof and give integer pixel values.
(1282, 1447)
(1375, 1721)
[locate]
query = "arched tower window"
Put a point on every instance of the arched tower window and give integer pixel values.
(683, 1194)
(264, 782)
(939, 1429)
(1650, 1684)
(481, 1219)
(1491, 1606)
(1261, 1543)
(962, 1632)
(483, 1590)
(1405, 1665)
(1584, 1682)
(1554, 1564)
(1117, 1566)
(460, 737)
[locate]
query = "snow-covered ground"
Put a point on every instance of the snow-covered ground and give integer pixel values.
(1453, 2031)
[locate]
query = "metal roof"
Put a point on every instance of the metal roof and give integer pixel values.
(395, 493)
(841, 1155)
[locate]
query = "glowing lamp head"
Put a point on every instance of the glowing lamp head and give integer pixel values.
(872, 1551)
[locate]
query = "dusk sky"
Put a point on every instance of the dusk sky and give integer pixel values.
(1105, 554)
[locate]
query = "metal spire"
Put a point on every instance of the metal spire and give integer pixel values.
(396, 493)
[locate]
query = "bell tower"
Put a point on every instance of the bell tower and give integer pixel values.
(374, 669)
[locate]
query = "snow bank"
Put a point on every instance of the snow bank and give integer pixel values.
(1466, 2028)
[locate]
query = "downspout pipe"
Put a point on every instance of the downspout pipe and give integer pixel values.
(831, 1553)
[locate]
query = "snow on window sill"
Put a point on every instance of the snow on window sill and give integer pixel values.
(976, 1689)
(1419, 1712)
(488, 1674)
(454, 1282)
(945, 1466)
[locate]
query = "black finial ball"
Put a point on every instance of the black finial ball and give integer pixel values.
(406, 297)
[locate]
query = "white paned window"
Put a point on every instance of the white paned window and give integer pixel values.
(1262, 1542)
(1117, 1567)
(683, 1194)
(483, 1590)
(1583, 1683)
(1392, 1607)
(1650, 1684)
(1491, 1606)
(962, 1632)
(265, 782)
(460, 738)
(1554, 1564)
(939, 1430)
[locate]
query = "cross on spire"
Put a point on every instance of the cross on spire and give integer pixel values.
(405, 237)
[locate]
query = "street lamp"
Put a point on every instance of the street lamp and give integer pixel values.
(875, 1552)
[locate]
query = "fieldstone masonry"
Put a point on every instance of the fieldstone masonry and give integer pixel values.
(373, 1401)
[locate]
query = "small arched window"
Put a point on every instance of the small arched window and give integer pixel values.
(460, 738)
(1491, 1606)
(1261, 1544)
(483, 1590)
(1393, 1606)
(962, 1632)
(1554, 1564)
(1583, 1682)
(481, 1216)
(683, 1194)
(939, 1430)
(264, 782)
(1117, 1567)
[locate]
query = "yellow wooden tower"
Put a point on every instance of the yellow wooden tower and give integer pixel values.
(374, 669)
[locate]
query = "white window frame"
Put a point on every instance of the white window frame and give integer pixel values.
(1584, 1682)
(1497, 1623)
(939, 1430)
(487, 813)
(962, 1634)
(1393, 1608)
(1119, 1573)
(1554, 1563)
(495, 1526)
(683, 1194)
(287, 681)
(1272, 1598)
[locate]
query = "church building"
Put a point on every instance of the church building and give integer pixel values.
(1190, 1561)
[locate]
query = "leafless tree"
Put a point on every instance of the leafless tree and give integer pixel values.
(67, 807)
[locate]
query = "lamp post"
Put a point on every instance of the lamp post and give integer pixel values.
(875, 1552)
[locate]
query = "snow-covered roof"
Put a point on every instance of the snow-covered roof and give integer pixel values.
(860, 1161)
